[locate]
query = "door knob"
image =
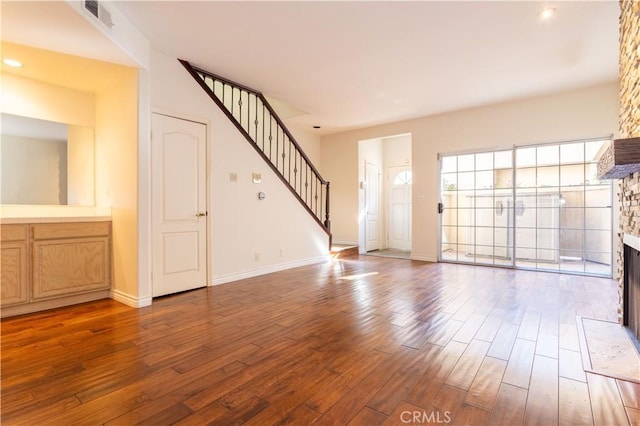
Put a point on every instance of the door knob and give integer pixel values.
(200, 214)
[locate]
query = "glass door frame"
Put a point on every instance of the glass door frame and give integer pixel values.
(512, 226)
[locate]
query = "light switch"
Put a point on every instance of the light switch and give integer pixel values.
(233, 177)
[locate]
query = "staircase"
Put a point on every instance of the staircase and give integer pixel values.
(256, 120)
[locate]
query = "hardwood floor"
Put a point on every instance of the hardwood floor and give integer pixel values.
(361, 341)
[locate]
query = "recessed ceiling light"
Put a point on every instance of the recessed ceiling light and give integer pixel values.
(546, 13)
(12, 62)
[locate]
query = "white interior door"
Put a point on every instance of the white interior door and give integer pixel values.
(372, 206)
(399, 227)
(179, 221)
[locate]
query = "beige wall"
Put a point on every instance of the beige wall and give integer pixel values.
(116, 148)
(32, 98)
(586, 113)
(80, 166)
(308, 141)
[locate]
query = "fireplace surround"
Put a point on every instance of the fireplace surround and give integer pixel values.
(631, 284)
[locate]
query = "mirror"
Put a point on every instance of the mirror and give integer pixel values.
(44, 162)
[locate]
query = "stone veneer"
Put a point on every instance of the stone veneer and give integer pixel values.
(629, 193)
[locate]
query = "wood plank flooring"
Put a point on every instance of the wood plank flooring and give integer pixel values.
(361, 341)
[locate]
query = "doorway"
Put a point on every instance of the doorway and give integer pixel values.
(385, 182)
(179, 204)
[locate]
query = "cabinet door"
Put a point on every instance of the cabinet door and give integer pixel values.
(14, 273)
(70, 266)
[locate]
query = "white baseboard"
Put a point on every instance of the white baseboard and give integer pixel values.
(425, 258)
(222, 279)
(344, 242)
(129, 300)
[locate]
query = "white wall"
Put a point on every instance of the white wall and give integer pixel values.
(369, 151)
(585, 113)
(278, 228)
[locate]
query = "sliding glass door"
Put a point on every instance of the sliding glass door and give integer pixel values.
(539, 207)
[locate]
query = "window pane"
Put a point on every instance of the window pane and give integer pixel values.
(571, 197)
(466, 180)
(449, 181)
(484, 199)
(503, 159)
(449, 234)
(598, 218)
(466, 163)
(595, 198)
(466, 199)
(547, 238)
(572, 153)
(573, 240)
(526, 178)
(548, 217)
(525, 157)
(572, 175)
(484, 161)
(484, 180)
(449, 217)
(449, 164)
(548, 177)
(548, 155)
(597, 241)
(502, 178)
(572, 218)
(466, 217)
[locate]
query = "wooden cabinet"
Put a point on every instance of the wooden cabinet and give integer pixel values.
(14, 265)
(70, 258)
(47, 265)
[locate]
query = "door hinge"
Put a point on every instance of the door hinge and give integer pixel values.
(440, 208)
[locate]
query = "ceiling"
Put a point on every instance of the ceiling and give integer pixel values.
(345, 65)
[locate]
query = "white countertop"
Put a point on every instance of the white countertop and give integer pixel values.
(10, 214)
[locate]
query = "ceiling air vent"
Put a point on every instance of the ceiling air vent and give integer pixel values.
(96, 9)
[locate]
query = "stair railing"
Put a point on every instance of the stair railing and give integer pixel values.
(254, 117)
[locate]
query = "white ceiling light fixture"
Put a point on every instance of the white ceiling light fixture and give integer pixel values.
(546, 13)
(12, 62)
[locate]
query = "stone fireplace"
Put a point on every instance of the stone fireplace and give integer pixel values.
(629, 187)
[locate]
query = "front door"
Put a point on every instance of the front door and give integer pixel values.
(179, 218)
(399, 184)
